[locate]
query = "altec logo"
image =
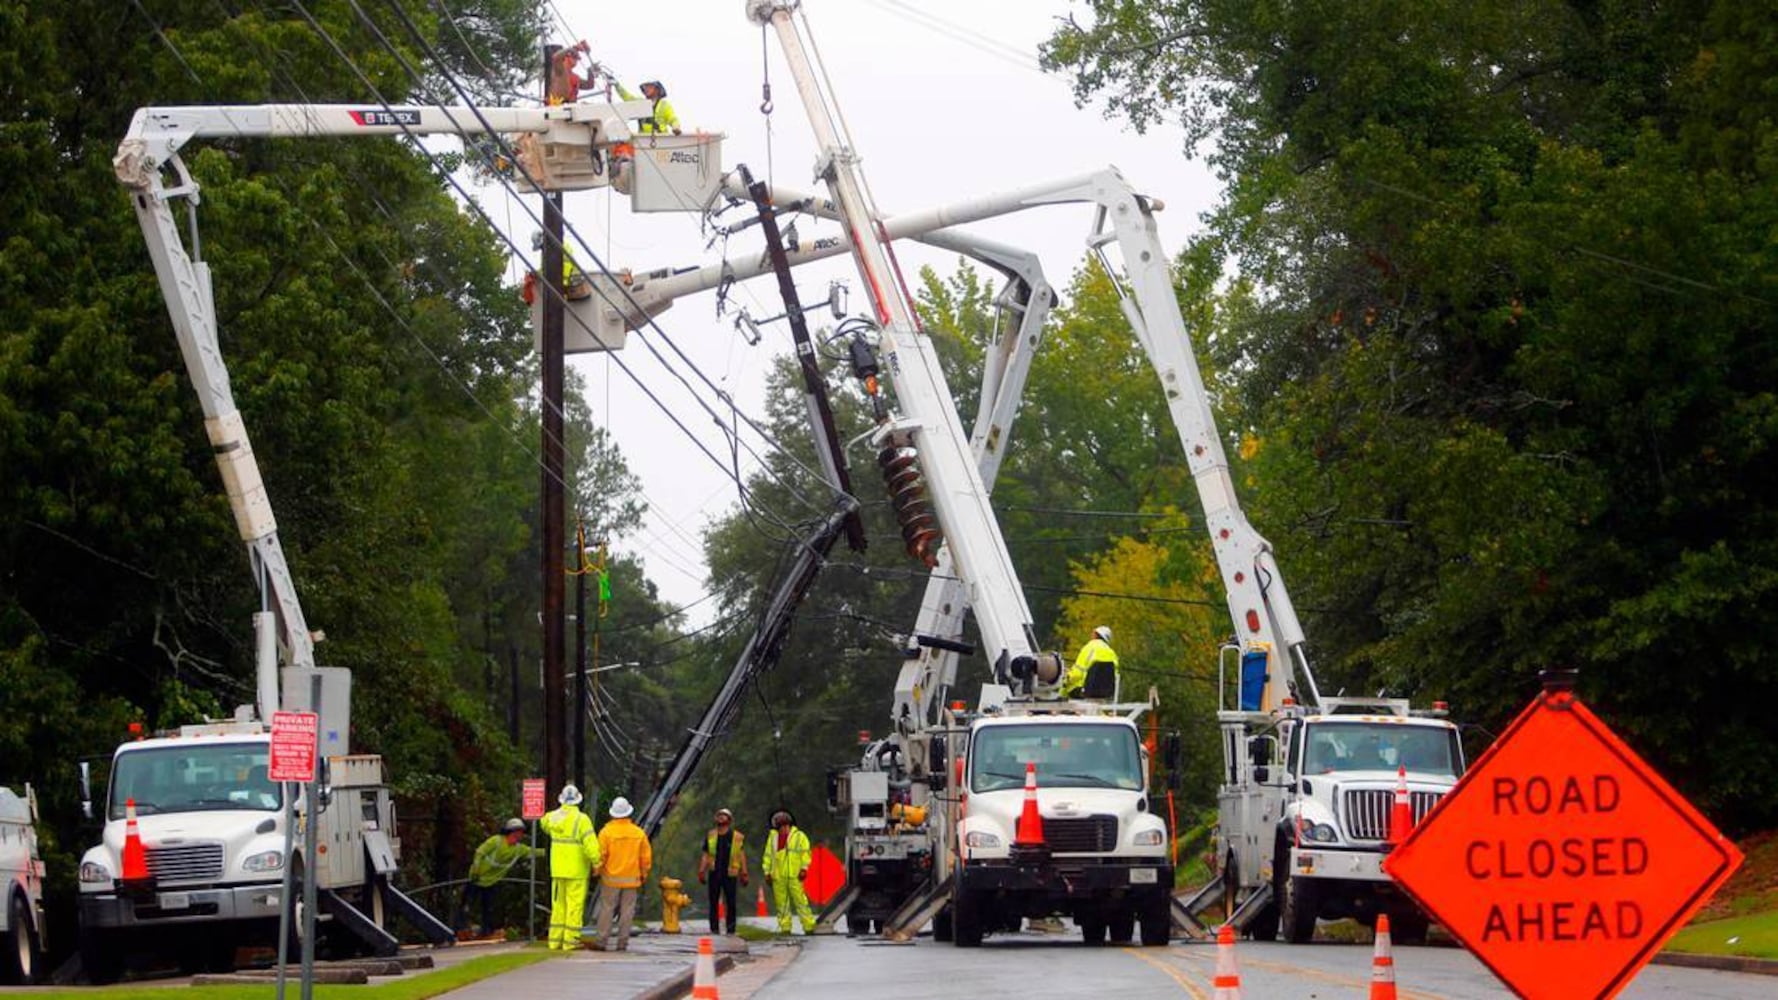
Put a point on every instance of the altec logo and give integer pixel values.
(1562, 860)
(691, 158)
(379, 116)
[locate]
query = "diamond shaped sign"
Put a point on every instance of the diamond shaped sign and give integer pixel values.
(1562, 860)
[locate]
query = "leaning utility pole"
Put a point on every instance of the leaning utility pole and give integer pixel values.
(555, 763)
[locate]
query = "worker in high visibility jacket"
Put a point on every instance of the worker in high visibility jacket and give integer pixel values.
(1097, 650)
(573, 855)
(724, 860)
(786, 865)
(628, 858)
(574, 280)
(493, 860)
(661, 117)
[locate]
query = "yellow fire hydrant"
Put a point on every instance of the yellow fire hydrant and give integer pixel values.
(672, 901)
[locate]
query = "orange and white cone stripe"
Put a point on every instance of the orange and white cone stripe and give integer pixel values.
(1228, 974)
(1382, 963)
(703, 977)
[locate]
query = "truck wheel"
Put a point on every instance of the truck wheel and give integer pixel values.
(1121, 929)
(1157, 922)
(101, 955)
(22, 952)
(1092, 931)
(966, 919)
(1408, 928)
(1296, 910)
(941, 925)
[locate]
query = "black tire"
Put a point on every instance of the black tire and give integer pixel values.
(966, 920)
(23, 951)
(941, 926)
(1157, 922)
(1296, 910)
(1092, 931)
(1121, 929)
(101, 956)
(1408, 928)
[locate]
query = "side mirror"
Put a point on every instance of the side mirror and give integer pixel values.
(937, 757)
(323, 785)
(86, 789)
(1262, 774)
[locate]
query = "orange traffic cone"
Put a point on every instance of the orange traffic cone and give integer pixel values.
(760, 910)
(1030, 829)
(703, 977)
(1228, 975)
(721, 911)
(1382, 963)
(1401, 815)
(135, 856)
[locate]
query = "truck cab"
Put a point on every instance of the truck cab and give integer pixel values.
(1102, 854)
(1306, 809)
(21, 889)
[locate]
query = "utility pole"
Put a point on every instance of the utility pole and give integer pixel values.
(580, 678)
(554, 760)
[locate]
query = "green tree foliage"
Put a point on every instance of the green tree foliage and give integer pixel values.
(1502, 330)
(383, 368)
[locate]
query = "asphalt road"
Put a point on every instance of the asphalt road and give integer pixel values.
(1041, 966)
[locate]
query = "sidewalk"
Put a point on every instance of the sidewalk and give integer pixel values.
(657, 967)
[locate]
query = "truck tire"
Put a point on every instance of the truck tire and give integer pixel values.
(1408, 928)
(1296, 909)
(1157, 922)
(101, 955)
(1092, 931)
(1121, 929)
(966, 919)
(941, 925)
(23, 952)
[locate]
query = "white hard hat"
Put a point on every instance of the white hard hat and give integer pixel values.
(570, 796)
(1103, 632)
(621, 808)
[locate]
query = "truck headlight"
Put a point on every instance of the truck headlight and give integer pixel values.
(92, 871)
(265, 861)
(1319, 833)
(980, 839)
(1148, 838)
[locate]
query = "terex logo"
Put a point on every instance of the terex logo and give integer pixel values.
(691, 158)
(378, 116)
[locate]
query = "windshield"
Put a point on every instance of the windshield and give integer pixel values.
(1091, 756)
(192, 779)
(1380, 746)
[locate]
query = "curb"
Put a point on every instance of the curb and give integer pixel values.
(1723, 963)
(681, 984)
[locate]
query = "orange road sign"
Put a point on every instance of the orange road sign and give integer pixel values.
(1562, 860)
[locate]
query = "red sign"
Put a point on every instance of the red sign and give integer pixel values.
(531, 799)
(826, 876)
(293, 746)
(1562, 860)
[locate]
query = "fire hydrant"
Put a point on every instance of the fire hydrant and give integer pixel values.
(672, 901)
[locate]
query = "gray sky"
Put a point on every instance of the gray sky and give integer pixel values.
(945, 103)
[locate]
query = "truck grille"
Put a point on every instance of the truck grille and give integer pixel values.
(186, 863)
(1367, 810)
(1087, 835)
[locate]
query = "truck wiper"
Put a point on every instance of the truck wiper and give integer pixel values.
(1095, 778)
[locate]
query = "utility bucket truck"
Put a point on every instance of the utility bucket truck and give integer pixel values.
(21, 889)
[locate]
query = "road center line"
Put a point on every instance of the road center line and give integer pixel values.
(1173, 972)
(1332, 978)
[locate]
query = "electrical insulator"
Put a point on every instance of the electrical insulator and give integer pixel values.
(907, 495)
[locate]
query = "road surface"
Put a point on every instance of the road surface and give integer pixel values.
(1045, 966)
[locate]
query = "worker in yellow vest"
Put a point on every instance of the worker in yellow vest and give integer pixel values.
(723, 861)
(573, 855)
(786, 865)
(1097, 650)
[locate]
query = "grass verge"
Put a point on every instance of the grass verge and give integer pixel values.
(1755, 935)
(416, 986)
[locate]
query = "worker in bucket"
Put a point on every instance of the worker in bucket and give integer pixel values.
(661, 117)
(493, 860)
(573, 854)
(786, 865)
(574, 282)
(1097, 651)
(724, 859)
(628, 858)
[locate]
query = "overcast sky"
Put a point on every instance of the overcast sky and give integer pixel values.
(945, 103)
